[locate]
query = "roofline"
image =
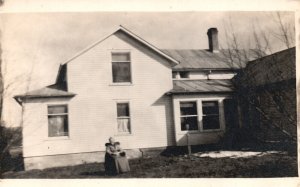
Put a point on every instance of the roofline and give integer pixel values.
(86, 49)
(149, 45)
(40, 96)
(19, 98)
(261, 58)
(122, 28)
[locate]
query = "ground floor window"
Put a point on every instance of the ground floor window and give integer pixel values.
(123, 118)
(58, 121)
(200, 114)
(188, 115)
(210, 115)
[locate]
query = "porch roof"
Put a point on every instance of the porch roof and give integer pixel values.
(201, 86)
(46, 92)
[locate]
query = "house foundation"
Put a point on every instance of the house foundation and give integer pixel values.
(50, 161)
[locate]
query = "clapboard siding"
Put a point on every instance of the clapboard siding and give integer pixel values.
(92, 112)
(35, 130)
(93, 109)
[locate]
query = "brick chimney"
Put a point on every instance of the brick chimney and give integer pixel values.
(213, 42)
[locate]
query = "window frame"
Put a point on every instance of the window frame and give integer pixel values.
(219, 115)
(197, 115)
(176, 103)
(129, 117)
(123, 61)
(58, 114)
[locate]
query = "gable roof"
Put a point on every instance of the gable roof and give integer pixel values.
(192, 59)
(134, 36)
(201, 86)
(46, 92)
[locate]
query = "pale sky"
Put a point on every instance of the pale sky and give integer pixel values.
(34, 44)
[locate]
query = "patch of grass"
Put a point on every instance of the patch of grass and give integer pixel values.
(173, 163)
(274, 165)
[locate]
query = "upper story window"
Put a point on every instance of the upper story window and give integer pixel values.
(184, 74)
(58, 121)
(174, 74)
(180, 74)
(121, 67)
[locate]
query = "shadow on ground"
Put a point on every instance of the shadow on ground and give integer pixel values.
(94, 173)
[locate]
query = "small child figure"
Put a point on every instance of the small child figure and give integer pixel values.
(118, 149)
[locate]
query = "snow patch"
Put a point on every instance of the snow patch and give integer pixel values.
(234, 154)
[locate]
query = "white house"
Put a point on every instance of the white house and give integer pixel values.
(122, 86)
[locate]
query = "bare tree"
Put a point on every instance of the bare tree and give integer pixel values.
(2, 139)
(285, 33)
(247, 91)
(1, 82)
(9, 136)
(5, 137)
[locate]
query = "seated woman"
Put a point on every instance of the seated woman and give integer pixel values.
(115, 158)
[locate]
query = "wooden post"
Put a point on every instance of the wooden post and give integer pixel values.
(187, 139)
(188, 144)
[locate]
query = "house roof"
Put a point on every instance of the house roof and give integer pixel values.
(134, 36)
(46, 92)
(201, 86)
(204, 59)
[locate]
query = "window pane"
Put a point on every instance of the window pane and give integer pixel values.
(124, 125)
(184, 74)
(211, 122)
(57, 109)
(120, 57)
(210, 107)
(192, 122)
(123, 110)
(188, 108)
(121, 72)
(174, 75)
(58, 126)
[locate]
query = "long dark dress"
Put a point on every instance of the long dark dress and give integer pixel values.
(115, 163)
